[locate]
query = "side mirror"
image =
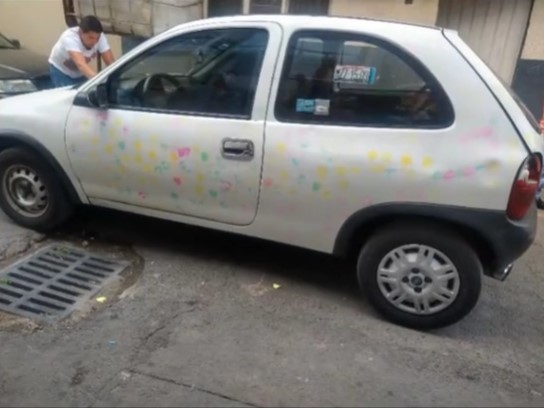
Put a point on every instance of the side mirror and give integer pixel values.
(99, 96)
(16, 43)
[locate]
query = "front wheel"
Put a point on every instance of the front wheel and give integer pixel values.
(30, 193)
(422, 276)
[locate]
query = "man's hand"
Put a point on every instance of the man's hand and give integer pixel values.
(81, 64)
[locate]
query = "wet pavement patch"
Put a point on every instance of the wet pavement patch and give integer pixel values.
(53, 282)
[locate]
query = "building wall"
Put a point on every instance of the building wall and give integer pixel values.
(38, 24)
(420, 11)
(534, 42)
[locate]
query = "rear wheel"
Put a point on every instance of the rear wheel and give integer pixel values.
(30, 193)
(420, 275)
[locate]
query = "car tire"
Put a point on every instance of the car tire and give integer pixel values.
(540, 203)
(390, 272)
(30, 192)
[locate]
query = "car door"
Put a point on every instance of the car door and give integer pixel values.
(353, 123)
(183, 130)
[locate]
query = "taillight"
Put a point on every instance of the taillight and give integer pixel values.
(522, 194)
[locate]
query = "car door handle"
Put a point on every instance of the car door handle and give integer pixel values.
(237, 149)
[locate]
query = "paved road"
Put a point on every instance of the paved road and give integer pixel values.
(203, 325)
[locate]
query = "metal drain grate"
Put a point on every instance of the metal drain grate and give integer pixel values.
(53, 282)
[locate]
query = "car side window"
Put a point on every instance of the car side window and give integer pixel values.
(340, 78)
(211, 72)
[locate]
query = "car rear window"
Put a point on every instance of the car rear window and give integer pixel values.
(349, 79)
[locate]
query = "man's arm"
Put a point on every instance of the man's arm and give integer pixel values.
(105, 50)
(108, 57)
(81, 64)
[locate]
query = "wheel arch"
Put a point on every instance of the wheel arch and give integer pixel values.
(470, 224)
(10, 139)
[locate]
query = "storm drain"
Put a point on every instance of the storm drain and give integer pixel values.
(53, 282)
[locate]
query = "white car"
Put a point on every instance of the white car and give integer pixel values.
(389, 142)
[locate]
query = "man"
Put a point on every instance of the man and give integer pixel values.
(75, 49)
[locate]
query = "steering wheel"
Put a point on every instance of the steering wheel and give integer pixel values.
(156, 78)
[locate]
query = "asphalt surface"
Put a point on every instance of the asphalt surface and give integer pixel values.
(211, 319)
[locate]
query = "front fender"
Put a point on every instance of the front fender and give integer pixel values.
(13, 138)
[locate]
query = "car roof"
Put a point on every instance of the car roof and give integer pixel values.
(295, 21)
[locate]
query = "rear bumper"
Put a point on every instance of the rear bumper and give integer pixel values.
(509, 241)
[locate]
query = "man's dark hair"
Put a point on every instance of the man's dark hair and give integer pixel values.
(91, 23)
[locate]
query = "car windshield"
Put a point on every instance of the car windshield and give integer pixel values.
(5, 43)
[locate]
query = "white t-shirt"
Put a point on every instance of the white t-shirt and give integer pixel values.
(70, 41)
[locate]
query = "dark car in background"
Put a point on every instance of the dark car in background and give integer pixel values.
(21, 71)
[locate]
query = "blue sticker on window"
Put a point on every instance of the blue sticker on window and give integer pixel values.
(306, 105)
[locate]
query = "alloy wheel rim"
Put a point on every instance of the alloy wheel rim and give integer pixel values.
(418, 279)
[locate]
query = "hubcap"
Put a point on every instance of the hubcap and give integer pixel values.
(418, 279)
(24, 191)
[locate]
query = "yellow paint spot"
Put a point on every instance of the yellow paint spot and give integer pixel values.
(386, 157)
(284, 175)
(492, 166)
(327, 195)
(411, 173)
(406, 160)
(125, 158)
(152, 155)
(343, 184)
(372, 155)
(108, 148)
(138, 159)
(379, 168)
(199, 189)
(427, 162)
(200, 178)
(137, 145)
(341, 171)
(173, 157)
(148, 168)
(292, 191)
(281, 147)
(322, 171)
(355, 170)
(117, 122)
(112, 133)
(154, 138)
(95, 140)
(141, 180)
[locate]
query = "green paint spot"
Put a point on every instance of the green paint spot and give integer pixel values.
(213, 193)
(204, 156)
(316, 186)
(295, 162)
(175, 196)
(121, 145)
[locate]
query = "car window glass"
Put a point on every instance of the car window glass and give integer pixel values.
(348, 79)
(208, 72)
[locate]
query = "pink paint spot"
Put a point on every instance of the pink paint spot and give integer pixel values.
(469, 171)
(178, 181)
(267, 182)
(102, 115)
(367, 201)
(141, 194)
(125, 129)
(449, 175)
(184, 151)
(226, 185)
(485, 132)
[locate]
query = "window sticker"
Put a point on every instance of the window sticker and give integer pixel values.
(306, 105)
(353, 76)
(322, 107)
